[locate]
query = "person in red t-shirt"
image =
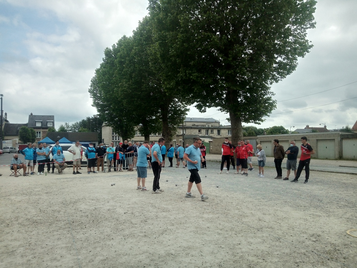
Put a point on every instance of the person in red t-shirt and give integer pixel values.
(232, 155)
(203, 153)
(306, 152)
(226, 155)
(250, 154)
(241, 157)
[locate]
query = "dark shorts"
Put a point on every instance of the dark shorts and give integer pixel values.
(163, 156)
(142, 172)
(261, 163)
(194, 176)
(91, 162)
(241, 162)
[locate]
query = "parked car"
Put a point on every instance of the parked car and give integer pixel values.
(6, 149)
(13, 150)
(1, 152)
(68, 156)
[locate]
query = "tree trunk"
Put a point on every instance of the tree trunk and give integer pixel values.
(236, 128)
(146, 137)
(166, 130)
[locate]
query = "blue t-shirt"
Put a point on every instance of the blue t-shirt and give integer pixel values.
(195, 155)
(142, 156)
(55, 148)
(47, 150)
(29, 153)
(91, 152)
(181, 151)
(110, 150)
(59, 158)
(41, 157)
(156, 148)
(171, 152)
(164, 149)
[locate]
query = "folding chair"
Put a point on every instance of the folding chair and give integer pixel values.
(13, 172)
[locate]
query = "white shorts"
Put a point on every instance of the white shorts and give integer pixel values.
(249, 160)
(29, 163)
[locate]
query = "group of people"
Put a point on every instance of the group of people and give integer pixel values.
(244, 152)
(192, 158)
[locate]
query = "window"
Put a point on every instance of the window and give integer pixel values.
(38, 123)
(207, 132)
(211, 131)
(50, 124)
(229, 131)
(199, 131)
(219, 132)
(38, 134)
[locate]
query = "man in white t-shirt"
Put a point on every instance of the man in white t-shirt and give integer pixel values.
(75, 149)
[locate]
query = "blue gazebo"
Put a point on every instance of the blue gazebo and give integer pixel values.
(64, 140)
(46, 140)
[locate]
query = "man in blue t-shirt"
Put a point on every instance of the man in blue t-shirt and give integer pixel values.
(59, 161)
(180, 153)
(54, 150)
(194, 158)
(28, 152)
(156, 165)
(91, 155)
(142, 164)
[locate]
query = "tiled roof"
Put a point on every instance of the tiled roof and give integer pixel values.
(201, 119)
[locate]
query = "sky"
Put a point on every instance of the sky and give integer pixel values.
(49, 51)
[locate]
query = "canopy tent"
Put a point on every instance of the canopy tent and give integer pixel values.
(64, 140)
(47, 140)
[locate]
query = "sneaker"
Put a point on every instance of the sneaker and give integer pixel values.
(227, 172)
(305, 181)
(88, 172)
(156, 192)
(189, 195)
(262, 176)
(204, 197)
(246, 174)
(259, 175)
(74, 173)
(32, 173)
(278, 178)
(144, 189)
(160, 190)
(94, 171)
(295, 180)
(139, 188)
(220, 172)
(78, 172)
(41, 173)
(285, 179)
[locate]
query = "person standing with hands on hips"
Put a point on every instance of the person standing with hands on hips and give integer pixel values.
(157, 165)
(194, 158)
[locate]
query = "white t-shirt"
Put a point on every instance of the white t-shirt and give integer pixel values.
(76, 150)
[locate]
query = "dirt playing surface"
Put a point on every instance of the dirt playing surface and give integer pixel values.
(82, 221)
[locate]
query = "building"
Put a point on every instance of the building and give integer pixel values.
(40, 123)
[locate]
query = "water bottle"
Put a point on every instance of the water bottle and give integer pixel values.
(45, 173)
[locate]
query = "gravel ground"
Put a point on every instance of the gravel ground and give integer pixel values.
(82, 221)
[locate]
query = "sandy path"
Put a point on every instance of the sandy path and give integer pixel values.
(83, 221)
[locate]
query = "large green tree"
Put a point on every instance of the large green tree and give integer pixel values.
(227, 53)
(128, 89)
(27, 134)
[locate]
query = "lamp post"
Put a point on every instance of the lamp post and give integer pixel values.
(1, 119)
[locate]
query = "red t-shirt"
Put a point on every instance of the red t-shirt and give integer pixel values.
(305, 149)
(250, 148)
(241, 152)
(226, 148)
(203, 150)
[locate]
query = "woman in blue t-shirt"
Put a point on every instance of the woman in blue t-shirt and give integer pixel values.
(171, 154)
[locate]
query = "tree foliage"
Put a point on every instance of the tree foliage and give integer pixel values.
(277, 130)
(227, 53)
(27, 134)
(128, 89)
(51, 129)
(62, 128)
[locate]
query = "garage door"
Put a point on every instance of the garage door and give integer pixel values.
(349, 149)
(325, 149)
(267, 147)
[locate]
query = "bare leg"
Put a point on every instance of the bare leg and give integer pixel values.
(190, 185)
(200, 189)
(288, 173)
(143, 182)
(138, 181)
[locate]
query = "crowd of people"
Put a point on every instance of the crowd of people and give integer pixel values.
(244, 152)
(142, 156)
